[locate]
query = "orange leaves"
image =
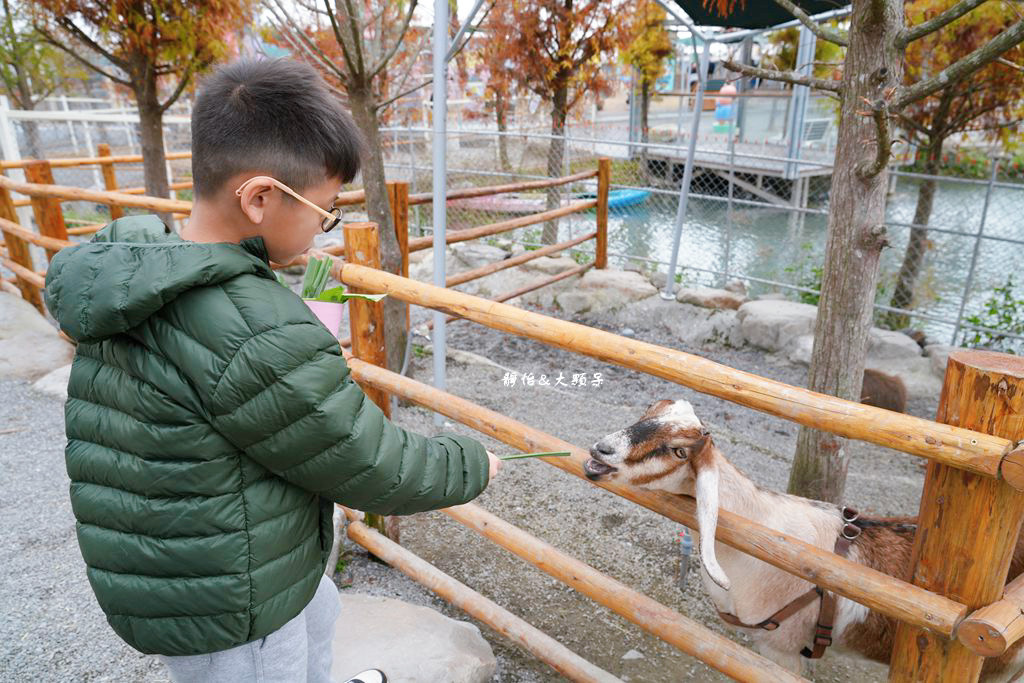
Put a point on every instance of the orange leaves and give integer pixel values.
(723, 7)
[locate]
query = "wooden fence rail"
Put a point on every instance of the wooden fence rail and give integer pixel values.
(971, 515)
(962, 448)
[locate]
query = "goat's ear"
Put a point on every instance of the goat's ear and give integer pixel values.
(656, 406)
(707, 515)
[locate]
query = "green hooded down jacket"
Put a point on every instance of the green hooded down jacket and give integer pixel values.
(212, 423)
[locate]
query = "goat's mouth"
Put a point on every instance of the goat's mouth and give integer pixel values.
(595, 469)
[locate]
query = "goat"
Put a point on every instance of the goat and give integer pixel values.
(669, 449)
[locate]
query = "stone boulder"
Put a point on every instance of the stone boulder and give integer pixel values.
(408, 643)
(773, 324)
(29, 345)
(708, 297)
(475, 254)
(938, 356)
(696, 325)
(659, 278)
(889, 345)
(601, 290)
(915, 373)
(55, 383)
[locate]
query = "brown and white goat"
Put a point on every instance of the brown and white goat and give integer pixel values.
(669, 449)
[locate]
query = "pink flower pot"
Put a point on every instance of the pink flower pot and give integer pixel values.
(329, 314)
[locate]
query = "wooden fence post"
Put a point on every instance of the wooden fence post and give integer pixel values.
(109, 178)
(604, 174)
(362, 246)
(398, 197)
(968, 524)
(18, 251)
(49, 216)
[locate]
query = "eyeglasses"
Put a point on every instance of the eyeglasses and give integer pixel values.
(331, 218)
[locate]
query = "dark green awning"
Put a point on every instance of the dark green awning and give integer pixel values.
(754, 13)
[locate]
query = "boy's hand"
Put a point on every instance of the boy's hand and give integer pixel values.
(495, 465)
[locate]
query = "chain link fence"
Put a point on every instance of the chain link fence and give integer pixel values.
(754, 213)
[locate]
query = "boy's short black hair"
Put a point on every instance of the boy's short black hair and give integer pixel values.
(276, 115)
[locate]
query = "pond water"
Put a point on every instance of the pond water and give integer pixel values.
(784, 246)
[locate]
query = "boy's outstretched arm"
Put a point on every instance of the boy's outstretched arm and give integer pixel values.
(287, 399)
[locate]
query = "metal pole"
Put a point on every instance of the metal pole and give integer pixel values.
(977, 249)
(684, 187)
(804, 57)
(746, 53)
(733, 114)
(440, 113)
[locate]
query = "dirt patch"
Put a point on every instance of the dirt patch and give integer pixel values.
(619, 538)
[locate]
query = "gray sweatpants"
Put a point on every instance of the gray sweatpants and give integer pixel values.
(298, 652)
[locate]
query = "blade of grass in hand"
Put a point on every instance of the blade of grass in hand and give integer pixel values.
(534, 455)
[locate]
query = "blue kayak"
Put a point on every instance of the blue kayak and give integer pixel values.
(620, 198)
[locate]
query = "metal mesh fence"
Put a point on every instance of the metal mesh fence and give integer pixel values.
(753, 214)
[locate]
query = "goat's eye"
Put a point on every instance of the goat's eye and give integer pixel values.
(681, 453)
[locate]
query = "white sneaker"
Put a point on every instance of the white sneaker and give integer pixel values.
(369, 676)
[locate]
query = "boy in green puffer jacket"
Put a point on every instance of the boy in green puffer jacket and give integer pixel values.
(212, 422)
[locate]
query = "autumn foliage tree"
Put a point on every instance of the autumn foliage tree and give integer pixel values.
(990, 101)
(154, 48)
(647, 46)
(872, 92)
(30, 68)
(555, 48)
(368, 50)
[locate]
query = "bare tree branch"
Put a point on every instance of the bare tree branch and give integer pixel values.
(85, 62)
(349, 62)
(412, 62)
(912, 33)
(920, 128)
(398, 42)
(299, 40)
(883, 141)
(399, 96)
(837, 37)
(353, 26)
(784, 76)
(80, 35)
(185, 78)
(964, 67)
(1012, 65)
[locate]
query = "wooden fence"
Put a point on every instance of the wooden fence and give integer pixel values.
(953, 609)
(53, 234)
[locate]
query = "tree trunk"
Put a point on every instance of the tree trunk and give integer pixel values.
(855, 240)
(903, 294)
(501, 114)
(33, 145)
(151, 133)
(645, 104)
(556, 156)
(364, 111)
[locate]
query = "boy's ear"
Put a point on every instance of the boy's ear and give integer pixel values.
(253, 199)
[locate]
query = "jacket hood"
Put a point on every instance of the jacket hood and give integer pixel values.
(132, 268)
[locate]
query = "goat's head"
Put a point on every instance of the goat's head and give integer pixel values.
(667, 449)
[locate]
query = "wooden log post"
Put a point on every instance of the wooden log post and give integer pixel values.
(993, 629)
(18, 251)
(366, 321)
(968, 524)
(398, 198)
(109, 178)
(49, 216)
(604, 175)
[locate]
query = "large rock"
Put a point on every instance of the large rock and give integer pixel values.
(938, 357)
(696, 325)
(601, 290)
(475, 254)
(773, 324)
(29, 346)
(55, 383)
(709, 297)
(889, 345)
(915, 373)
(410, 644)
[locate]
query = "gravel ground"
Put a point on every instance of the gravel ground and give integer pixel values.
(52, 629)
